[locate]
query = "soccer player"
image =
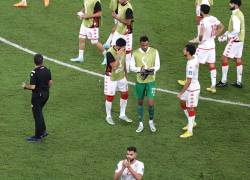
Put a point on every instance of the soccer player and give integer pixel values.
(198, 18)
(210, 27)
(235, 36)
(129, 168)
(124, 28)
(91, 15)
(145, 62)
(23, 3)
(116, 80)
(189, 94)
(114, 8)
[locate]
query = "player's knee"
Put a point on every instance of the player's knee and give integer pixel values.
(94, 41)
(238, 62)
(109, 98)
(124, 95)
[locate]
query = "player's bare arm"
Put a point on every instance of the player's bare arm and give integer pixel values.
(136, 175)
(220, 29)
(185, 87)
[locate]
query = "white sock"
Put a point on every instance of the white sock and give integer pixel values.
(81, 53)
(108, 106)
(191, 123)
(198, 30)
(151, 121)
(140, 124)
(123, 105)
(213, 74)
(186, 113)
(109, 39)
(224, 73)
(128, 58)
(239, 73)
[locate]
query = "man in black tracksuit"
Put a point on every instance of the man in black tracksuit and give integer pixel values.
(40, 82)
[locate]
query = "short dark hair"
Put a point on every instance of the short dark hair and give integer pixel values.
(144, 39)
(131, 148)
(120, 42)
(205, 8)
(191, 49)
(38, 59)
(238, 2)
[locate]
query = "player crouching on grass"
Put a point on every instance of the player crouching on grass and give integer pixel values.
(116, 80)
(23, 4)
(145, 62)
(189, 95)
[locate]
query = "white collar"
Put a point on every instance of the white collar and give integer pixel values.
(234, 11)
(140, 49)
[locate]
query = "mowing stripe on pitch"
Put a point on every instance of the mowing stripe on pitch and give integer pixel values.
(101, 75)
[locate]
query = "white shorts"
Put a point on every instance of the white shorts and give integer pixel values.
(127, 37)
(90, 33)
(233, 50)
(110, 87)
(191, 97)
(206, 55)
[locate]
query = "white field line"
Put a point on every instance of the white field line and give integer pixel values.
(101, 75)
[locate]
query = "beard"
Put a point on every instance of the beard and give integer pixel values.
(232, 8)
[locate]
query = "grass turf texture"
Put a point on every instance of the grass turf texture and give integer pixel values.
(81, 145)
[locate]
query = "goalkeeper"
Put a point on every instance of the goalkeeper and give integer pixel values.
(145, 62)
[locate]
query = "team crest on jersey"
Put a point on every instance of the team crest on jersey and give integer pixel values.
(190, 72)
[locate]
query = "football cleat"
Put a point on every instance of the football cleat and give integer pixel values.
(186, 127)
(195, 40)
(20, 4)
(181, 82)
(237, 85)
(139, 129)
(110, 121)
(46, 3)
(221, 84)
(152, 127)
(211, 89)
(186, 135)
(125, 118)
(78, 59)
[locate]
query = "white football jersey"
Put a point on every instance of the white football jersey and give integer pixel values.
(137, 166)
(209, 24)
(192, 71)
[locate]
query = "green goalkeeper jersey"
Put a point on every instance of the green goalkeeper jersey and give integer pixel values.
(146, 59)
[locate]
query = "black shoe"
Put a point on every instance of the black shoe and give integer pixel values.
(238, 85)
(33, 139)
(221, 84)
(44, 134)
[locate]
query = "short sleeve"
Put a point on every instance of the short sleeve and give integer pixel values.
(33, 78)
(129, 14)
(118, 167)
(190, 71)
(140, 169)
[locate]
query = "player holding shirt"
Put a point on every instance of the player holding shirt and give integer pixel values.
(116, 80)
(189, 95)
(235, 36)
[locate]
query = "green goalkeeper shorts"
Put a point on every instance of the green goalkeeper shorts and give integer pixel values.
(145, 89)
